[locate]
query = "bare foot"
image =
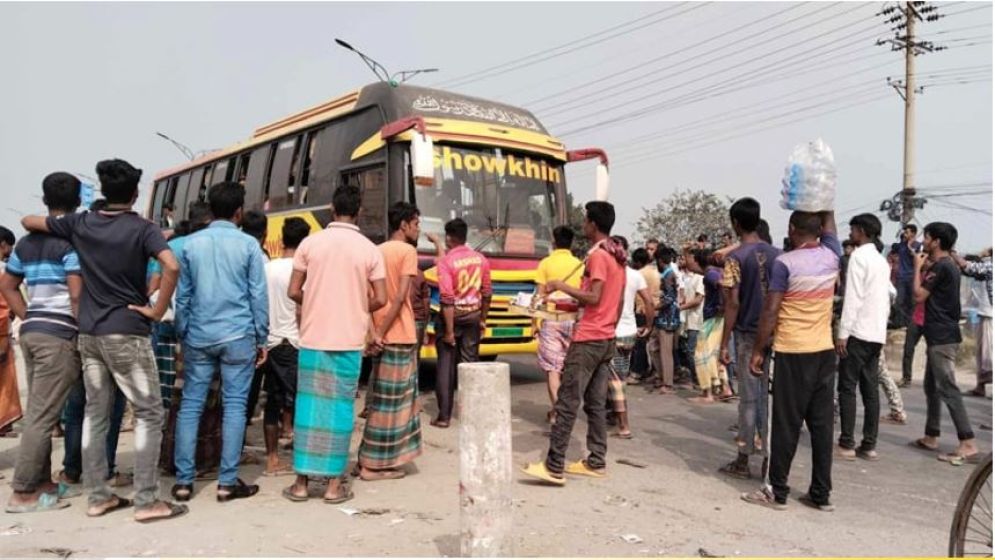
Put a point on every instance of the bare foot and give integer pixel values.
(705, 399)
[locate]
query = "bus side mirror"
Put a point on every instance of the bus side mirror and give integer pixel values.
(601, 182)
(422, 156)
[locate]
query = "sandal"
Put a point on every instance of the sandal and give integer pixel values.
(763, 498)
(121, 503)
(341, 499)
(443, 424)
(581, 468)
(736, 470)
(920, 444)
(182, 492)
(236, 491)
(956, 459)
(175, 510)
(288, 493)
(45, 502)
(539, 471)
(623, 435)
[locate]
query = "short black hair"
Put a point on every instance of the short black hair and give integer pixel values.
(98, 205)
(746, 213)
(913, 227)
(653, 240)
(118, 180)
(563, 237)
(943, 232)
(181, 229)
(346, 201)
(399, 213)
(254, 223)
(621, 241)
(868, 223)
(7, 236)
(665, 255)
(806, 223)
(701, 257)
(456, 229)
(601, 214)
(702, 238)
(225, 199)
(763, 231)
(847, 243)
(199, 215)
(294, 231)
(61, 191)
(640, 257)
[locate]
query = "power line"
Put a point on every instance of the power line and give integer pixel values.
(642, 65)
(536, 58)
(585, 100)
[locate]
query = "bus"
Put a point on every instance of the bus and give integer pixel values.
(492, 164)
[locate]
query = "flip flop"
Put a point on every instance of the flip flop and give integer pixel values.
(283, 470)
(45, 502)
(918, 444)
(288, 494)
(340, 499)
(539, 471)
(122, 503)
(580, 468)
(957, 459)
(175, 510)
(621, 435)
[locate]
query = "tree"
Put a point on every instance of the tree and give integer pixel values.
(683, 216)
(576, 220)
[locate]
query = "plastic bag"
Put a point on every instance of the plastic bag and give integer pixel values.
(809, 182)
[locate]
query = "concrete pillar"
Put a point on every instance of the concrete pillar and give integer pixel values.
(485, 459)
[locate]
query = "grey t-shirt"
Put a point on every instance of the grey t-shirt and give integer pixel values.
(114, 250)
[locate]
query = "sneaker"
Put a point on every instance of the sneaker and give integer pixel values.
(868, 455)
(845, 454)
(808, 501)
(765, 498)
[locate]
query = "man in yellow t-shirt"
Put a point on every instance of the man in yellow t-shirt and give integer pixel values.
(554, 336)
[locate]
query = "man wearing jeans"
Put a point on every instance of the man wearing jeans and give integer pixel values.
(940, 291)
(114, 247)
(222, 319)
(586, 368)
(861, 335)
(744, 282)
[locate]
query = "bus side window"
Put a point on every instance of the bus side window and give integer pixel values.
(181, 196)
(257, 172)
(158, 196)
(280, 172)
(372, 183)
(243, 168)
(307, 157)
(206, 182)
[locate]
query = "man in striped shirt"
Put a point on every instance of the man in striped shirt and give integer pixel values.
(50, 268)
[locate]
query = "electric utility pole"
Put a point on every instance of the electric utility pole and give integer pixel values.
(904, 18)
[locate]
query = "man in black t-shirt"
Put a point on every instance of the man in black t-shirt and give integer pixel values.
(114, 247)
(941, 292)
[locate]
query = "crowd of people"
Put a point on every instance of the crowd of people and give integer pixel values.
(187, 326)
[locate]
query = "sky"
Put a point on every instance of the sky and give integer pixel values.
(709, 96)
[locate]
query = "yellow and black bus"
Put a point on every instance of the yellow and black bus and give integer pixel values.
(495, 166)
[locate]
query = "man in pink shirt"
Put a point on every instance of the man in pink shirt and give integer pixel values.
(334, 273)
(586, 367)
(465, 297)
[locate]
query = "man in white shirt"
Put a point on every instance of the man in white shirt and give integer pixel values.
(280, 368)
(692, 304)
(862, 333)
(626, 332)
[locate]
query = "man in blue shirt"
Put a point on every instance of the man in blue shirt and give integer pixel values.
(222, 319)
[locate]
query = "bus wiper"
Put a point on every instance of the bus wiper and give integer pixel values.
(495, 232)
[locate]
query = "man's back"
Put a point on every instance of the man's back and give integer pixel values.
(560, 265)
(400, 260)
(748, 268)
(44, 261)
(221, 295)
(340, 263)
(114, 249)
(282, 309)
(464, 278)
(651, 274)
(867, 301)
(807, 278)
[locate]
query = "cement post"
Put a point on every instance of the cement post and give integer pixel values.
(485, 459)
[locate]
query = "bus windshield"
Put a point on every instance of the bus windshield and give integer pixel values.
(507, 199)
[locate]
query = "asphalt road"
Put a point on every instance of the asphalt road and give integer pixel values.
(678, 505)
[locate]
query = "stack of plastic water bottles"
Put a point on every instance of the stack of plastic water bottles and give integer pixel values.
(809, 182)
